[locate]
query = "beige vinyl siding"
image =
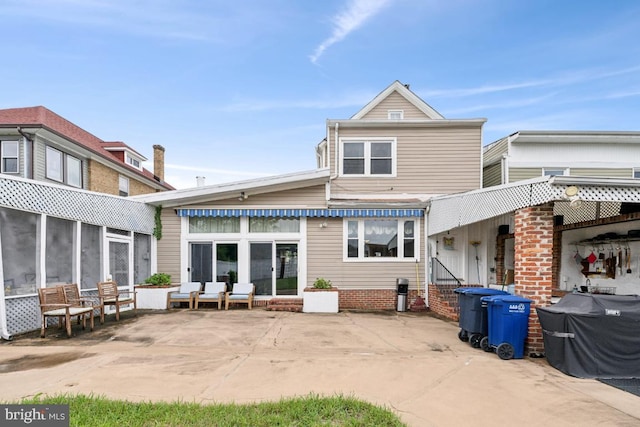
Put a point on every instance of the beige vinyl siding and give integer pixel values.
(325, 259)
(494, 153)
(169, 246)
(604, 172)
(300, 198)
(429, 161)
(492, 175)
(519, 174)
(395, 101)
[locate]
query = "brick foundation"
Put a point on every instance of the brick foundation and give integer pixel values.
(372, 299)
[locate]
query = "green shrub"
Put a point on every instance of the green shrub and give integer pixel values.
(158, 279)
(322, 283)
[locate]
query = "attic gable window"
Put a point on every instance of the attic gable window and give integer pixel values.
(368, 157)
(132, 161)
(395, 114)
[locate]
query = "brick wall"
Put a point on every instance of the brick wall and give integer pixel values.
(533, 265)
(372, 299)
(441, 301)
(103, 179)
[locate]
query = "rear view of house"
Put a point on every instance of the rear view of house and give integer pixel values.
(358, 220)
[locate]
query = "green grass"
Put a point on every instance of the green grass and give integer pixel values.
(303, 411)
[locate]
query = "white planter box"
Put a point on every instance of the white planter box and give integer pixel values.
(154, 298)
(320, 301)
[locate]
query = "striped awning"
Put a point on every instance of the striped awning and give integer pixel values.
(296, 213)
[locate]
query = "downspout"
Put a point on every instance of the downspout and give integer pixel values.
(427, 254)
(4, 332)
(335, 174)
(27, 170)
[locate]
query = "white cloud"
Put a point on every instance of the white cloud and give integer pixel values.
(354, 16)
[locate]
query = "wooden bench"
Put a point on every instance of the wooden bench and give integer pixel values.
(64, 302)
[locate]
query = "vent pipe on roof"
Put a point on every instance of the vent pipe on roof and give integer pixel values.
(158, 162)
(200, 180)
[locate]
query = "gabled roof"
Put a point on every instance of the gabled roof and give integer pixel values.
(39, 116)
(407, 94)
(209, 193)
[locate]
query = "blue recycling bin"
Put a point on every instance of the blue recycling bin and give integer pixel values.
(508, 317)
(473, 313)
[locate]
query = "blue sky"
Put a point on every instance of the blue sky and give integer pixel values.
(242, 89)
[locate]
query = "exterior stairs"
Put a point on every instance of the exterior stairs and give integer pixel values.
(285, 304)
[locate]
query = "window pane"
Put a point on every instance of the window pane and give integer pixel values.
(10, 149)
(381, 238)
(227, 263)
(274, 225)
(10, 165)
(141, 257)
(352, 249)
(54, 164)
(354, 149)
(409, 239)
(59, 251)
(381, 166)
(353, 166)
(19, 253)
(214, 224)
(123, 186)
(90, 256)
(380, 149)
(74, 171)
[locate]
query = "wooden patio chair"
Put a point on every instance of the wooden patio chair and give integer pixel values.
(213, 292)
(53, 303)
(241, 293)
(186, 293)
(110, 295)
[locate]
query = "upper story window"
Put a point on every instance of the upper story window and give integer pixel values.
(380, 239)
(368, 157)
(636, 172)
(133, 161)
(395, 114)
(9, 152)
(62, 167)
(123, 185)
(554, 171)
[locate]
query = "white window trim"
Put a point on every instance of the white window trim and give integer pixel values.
(17, 156)
(565, 171)
(367, 157)
(66, 170)
(362, 258)
(391, 113)
(49, 151)
(129, 159)
(634, 172)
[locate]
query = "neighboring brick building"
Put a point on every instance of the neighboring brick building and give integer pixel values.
(36, 143)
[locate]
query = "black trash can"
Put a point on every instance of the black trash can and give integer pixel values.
(403, 291)
(473, 313)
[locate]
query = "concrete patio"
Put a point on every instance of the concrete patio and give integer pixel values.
(412, 363)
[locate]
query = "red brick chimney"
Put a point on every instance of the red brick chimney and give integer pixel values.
(158, 162)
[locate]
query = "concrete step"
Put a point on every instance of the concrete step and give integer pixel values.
(285, 304)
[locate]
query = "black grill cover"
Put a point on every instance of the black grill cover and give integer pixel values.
(593, 335)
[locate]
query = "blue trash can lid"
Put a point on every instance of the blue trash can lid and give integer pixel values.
(508, 299)
(486, 291)
(480, 291)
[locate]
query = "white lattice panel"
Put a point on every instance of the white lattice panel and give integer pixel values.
(68, 203)
(450, 212)
(23, 314)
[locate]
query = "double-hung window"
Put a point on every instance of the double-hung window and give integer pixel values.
(123, 186)
(64, 168)
(9, 152)
(380, 239)
(374, 157)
